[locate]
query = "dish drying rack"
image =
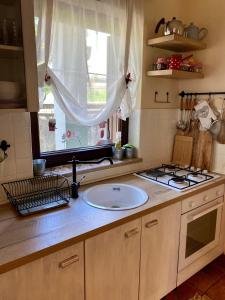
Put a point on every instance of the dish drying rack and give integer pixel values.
(38, 194)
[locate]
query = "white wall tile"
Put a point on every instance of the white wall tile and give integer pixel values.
(15, 129)
(158, 128)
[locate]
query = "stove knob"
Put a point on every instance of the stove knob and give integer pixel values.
(192, 168)
(198, 169)
(205, 172)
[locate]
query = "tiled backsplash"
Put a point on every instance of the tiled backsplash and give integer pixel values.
(15, 129)
(158, 128)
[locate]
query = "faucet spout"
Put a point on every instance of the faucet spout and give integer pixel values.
(76, 185)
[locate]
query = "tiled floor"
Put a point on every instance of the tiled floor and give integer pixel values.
(207, 284)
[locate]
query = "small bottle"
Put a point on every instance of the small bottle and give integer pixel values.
(118, 140)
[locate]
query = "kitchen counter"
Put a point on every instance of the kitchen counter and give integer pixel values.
(24, 239)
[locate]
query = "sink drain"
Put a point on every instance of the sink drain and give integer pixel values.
(115, 206)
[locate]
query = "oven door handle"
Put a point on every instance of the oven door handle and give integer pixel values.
(195, 217)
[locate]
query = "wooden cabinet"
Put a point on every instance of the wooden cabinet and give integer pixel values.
(159, 252)
(112, 263)
(18, 63)
(54, 277)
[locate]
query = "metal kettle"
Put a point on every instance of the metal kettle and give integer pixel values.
(170, 27)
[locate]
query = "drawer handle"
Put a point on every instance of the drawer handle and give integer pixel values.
(152, 223)
(218, 193)
(131, 233)
(205, 198)
(69, 261)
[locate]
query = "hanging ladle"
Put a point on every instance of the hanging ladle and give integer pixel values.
(181, 124)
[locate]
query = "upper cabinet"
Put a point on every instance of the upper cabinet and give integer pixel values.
(18, 64)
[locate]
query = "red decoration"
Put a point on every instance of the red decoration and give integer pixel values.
(68, 134)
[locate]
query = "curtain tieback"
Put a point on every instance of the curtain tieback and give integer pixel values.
(128, 79)
(47, 77)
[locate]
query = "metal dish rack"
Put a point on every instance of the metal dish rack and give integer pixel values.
(37, 194)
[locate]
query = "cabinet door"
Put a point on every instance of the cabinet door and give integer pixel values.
(30, 59)
(55, 277)
(112, 263)
(159, 256)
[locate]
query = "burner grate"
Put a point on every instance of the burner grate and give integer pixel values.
(175, 177)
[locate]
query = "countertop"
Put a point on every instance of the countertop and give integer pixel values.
(24, 239)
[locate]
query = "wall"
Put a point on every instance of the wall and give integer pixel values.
(157, 120)
(209, 14)
(152, 127)
(15, 129)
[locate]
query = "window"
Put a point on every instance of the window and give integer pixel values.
(87, 73)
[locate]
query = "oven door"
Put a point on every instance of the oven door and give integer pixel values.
(200, 232)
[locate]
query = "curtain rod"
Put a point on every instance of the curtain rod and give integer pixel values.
(182, 94)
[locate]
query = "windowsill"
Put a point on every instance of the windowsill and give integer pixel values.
(66, 170)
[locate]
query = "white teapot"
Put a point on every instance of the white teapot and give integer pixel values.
(192, 31)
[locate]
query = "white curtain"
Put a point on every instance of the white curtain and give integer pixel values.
(75, 32)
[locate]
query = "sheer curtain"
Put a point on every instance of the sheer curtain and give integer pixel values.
(88, 48)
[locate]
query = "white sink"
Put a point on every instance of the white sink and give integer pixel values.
(115, 196)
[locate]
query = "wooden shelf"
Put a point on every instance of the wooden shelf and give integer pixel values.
(10, 48)
(7, 51)
(13, 104)
(175, 74)
(176, 43)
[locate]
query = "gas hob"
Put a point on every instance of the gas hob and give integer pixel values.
(176, 177)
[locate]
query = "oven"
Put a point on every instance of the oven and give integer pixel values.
(200, 231)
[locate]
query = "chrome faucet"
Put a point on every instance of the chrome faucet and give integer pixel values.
(75, 185)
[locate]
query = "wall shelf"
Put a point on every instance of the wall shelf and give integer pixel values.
(175, 74)
(7, 51)
(13, 104)
(10, 48)
(176, 43)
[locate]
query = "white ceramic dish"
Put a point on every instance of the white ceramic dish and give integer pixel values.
(10, 90)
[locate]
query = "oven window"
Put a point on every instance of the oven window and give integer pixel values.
(201, 232)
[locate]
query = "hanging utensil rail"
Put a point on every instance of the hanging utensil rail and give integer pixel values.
(183, 94)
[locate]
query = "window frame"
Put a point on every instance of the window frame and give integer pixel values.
(62, 157)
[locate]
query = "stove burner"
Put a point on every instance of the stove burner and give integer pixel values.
(194, 174)
(169, 167)
(178, 179)
(155, 173)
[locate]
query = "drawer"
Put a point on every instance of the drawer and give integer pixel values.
(202, 198)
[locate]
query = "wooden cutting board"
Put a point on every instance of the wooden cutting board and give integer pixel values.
(202, 154)
(182, 150)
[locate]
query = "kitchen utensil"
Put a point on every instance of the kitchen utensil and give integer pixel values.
(194, 32)
(182, 151)
(10, 90)
(171, 27)
(216, 125)
(181, 124)
(190, 106)
(221, 135)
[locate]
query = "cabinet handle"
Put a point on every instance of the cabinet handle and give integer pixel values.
(69, 261)
(152, 223)
(205, 198)
(130, 233)
(218, 193)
